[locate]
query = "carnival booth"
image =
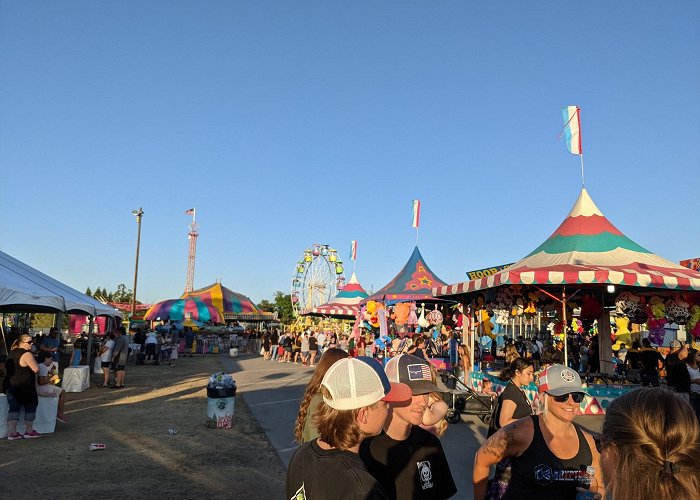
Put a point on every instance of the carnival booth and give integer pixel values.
(405, 306)
(588, 264)
(345, 305)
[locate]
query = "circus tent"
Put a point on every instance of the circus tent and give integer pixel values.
(181, 309)
(586, 249)
(587, 254)
(346, 304)
(415, 282)
(231, 305)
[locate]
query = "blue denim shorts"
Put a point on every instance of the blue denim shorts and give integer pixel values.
(15, 406)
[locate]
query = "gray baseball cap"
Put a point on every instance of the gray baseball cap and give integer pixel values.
(558, 380)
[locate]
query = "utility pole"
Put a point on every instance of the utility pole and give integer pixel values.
(139, 215)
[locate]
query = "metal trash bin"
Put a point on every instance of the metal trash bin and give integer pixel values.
(221, 403)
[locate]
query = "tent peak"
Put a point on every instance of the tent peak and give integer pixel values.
(584, 206)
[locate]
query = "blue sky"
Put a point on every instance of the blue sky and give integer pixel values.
(291, 123)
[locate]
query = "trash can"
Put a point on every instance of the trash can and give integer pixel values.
(221, 403)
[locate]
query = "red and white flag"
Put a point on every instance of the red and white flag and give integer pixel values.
(353, 250)
(189, 212)
(416, 213)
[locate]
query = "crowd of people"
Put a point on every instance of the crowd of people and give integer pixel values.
(535, 451)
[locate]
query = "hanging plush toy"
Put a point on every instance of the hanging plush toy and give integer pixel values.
(656, 320)
(458, 317)
(401, 312)
(485, 323)
(422, 322)
(371, 316)
(677, 311)
(412, 316)
(622, 332)
(693, 324)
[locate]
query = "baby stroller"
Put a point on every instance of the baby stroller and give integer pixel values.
(463, 399)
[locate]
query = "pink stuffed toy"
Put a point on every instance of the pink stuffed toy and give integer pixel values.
(412, 316)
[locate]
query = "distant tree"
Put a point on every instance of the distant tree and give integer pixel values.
(283, 306)
(42, 320)
(98, 293)
(88, 292)
(266, 306)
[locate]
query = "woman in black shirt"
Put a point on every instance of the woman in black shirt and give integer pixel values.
(513, 404)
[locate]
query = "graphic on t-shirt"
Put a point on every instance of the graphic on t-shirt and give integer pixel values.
(419, 371)
(300, 494)
(425, 475)
(544, 475)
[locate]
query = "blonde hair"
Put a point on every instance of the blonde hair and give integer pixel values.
(329, 357)
(656, 436)
(19, 340)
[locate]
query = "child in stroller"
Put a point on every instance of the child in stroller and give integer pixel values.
(463, 399)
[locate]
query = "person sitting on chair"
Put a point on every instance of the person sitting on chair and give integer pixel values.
(46, 384)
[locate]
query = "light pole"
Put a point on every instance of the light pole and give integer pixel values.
(139, 215)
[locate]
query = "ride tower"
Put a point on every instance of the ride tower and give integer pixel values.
(192, 236)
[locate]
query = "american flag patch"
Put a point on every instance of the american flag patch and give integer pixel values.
(419, 372)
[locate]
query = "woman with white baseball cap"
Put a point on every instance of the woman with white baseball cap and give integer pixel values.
(551, 457)
(356, 392)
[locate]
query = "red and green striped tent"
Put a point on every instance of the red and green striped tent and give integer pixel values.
(586, 249)
(344, 305)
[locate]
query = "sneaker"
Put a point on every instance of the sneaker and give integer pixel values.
(14, 435)
(32, 435)
(62, 419)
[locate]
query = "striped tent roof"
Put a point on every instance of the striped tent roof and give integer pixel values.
(414, 282)
(226, 301)
(345, 304)
(586, 249)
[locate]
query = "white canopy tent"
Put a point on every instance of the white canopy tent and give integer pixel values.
(24, 289)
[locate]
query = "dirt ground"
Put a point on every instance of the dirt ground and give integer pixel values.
(141, 458)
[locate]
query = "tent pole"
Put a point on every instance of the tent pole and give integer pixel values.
(563, 309)
(91, 327)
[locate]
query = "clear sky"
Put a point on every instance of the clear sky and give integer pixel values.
(290, 123)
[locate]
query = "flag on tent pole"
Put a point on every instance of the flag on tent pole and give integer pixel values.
(189, 212)
(353, 250)
(572, 129)
(416, 213)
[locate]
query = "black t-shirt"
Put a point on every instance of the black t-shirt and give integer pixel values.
(523, 407)
(314, 473)
(677, 376)
(414, 468)
(634, 357)
(313, 344)
(650, 359)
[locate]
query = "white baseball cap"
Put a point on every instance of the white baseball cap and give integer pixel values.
(358, 382)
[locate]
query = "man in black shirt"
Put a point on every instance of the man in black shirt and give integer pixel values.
(677, 376)
(407, 460)
(651, 361)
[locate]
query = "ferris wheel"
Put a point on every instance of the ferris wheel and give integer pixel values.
(318, 276)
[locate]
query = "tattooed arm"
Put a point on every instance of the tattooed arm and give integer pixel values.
(509, 441)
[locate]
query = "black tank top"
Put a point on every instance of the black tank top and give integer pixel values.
(20, 379)
(539, 473)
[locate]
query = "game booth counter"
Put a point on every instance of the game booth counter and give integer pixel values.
(588, 264)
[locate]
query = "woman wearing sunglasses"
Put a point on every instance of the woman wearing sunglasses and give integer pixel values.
(550, 456)
(20, 388)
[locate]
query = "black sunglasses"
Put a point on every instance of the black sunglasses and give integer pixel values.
(576, 396)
